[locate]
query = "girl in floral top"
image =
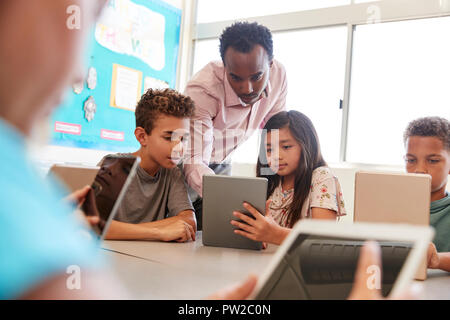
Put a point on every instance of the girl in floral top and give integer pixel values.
(300, 185)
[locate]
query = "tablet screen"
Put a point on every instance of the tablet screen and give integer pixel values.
(106, 189)
(323, 268)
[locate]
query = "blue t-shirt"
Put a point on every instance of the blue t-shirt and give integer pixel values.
(39, 235)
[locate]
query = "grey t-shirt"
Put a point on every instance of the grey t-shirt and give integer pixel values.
(150, 198)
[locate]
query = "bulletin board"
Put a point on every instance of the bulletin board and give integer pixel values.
(134, 46)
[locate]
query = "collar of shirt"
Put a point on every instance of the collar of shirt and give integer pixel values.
(147, 177)
(231, 98)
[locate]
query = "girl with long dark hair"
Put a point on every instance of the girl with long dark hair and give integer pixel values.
(300, 184)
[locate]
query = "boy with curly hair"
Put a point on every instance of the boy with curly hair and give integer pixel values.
(427, 142)
(157, 205)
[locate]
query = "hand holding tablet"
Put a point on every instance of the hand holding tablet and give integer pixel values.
(318, 260)
(259, 228)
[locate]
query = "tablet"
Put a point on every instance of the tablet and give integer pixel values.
(108, 189)
(221, 196)
(318, 259)
(72, 176)
(383, 197)
(377, 199)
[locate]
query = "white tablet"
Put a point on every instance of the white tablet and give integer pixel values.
(318, 259)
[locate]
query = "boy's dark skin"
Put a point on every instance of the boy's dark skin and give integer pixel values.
(248, 73)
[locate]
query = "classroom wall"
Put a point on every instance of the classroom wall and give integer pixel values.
(46, 155)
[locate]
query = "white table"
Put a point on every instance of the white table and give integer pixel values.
(159, 270)
(437, 285)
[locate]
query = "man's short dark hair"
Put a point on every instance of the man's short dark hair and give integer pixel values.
(430, 127)
(156, 102)
(243, 36)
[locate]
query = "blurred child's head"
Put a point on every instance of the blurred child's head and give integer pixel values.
(290, 147)
(162, 125)
(427, 142)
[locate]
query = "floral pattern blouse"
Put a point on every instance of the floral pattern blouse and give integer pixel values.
(325, 193)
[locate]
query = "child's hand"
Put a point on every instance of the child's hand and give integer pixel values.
(432, 257)
(261, 228)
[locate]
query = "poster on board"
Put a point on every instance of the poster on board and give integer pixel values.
(134, 46)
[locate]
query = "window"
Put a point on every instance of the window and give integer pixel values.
(219, 10)
(401, 71)
(315, 63)
(315, 66)
(205, 52)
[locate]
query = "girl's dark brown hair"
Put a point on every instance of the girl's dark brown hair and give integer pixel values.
(311, 158)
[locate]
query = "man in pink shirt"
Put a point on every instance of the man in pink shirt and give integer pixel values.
(233, 99)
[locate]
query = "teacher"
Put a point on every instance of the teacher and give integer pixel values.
(233, 98)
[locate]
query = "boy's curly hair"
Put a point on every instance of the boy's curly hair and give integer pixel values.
(155, 102)
(429, 127)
